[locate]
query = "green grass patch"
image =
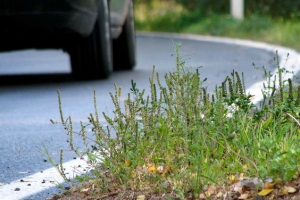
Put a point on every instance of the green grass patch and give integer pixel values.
(160, 18)
(179, 139)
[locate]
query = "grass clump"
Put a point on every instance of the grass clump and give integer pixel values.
(178, 141)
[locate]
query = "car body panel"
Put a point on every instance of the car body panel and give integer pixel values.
(118, 13)
(57, 17)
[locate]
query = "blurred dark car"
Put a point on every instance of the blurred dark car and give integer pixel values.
(98, 34)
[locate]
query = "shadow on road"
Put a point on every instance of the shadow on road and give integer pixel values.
(6, 80)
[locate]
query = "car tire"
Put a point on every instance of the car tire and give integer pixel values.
(91, 58)
(124, 47)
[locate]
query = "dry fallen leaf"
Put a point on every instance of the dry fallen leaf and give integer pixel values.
(202, 196)
(160, 169)
(269, 185)
(85, 190)
(141, 197)
(219, 195)
(265, 192)
(244, 196)
(210, 190)
(290, 189)
(241, 176)
(166, 184)
(238, 189)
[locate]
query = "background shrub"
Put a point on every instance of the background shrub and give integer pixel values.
(273, 8)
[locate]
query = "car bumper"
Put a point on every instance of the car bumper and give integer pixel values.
(48, 16)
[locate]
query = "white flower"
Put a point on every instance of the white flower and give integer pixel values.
(231, 109)
(202, 116)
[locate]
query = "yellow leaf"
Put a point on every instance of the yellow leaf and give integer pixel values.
(265, 192)
(127, 163)
(231, 177)
(151, 169)
(290, 189)
(284, 191)
(193, 175)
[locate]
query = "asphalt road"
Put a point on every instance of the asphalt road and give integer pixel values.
(28, 101)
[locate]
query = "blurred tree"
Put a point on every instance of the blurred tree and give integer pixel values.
(206, 5)
(273, 8)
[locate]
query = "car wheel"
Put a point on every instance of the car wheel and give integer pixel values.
(124, 51)
(91, 58)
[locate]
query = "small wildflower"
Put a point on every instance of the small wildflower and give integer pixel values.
(231, 109)
(202, 116)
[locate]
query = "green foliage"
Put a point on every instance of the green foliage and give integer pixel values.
(273, 8)
(167, 17)
(183, 137)
(283, 160)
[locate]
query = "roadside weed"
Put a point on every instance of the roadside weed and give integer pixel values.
(179, 140)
